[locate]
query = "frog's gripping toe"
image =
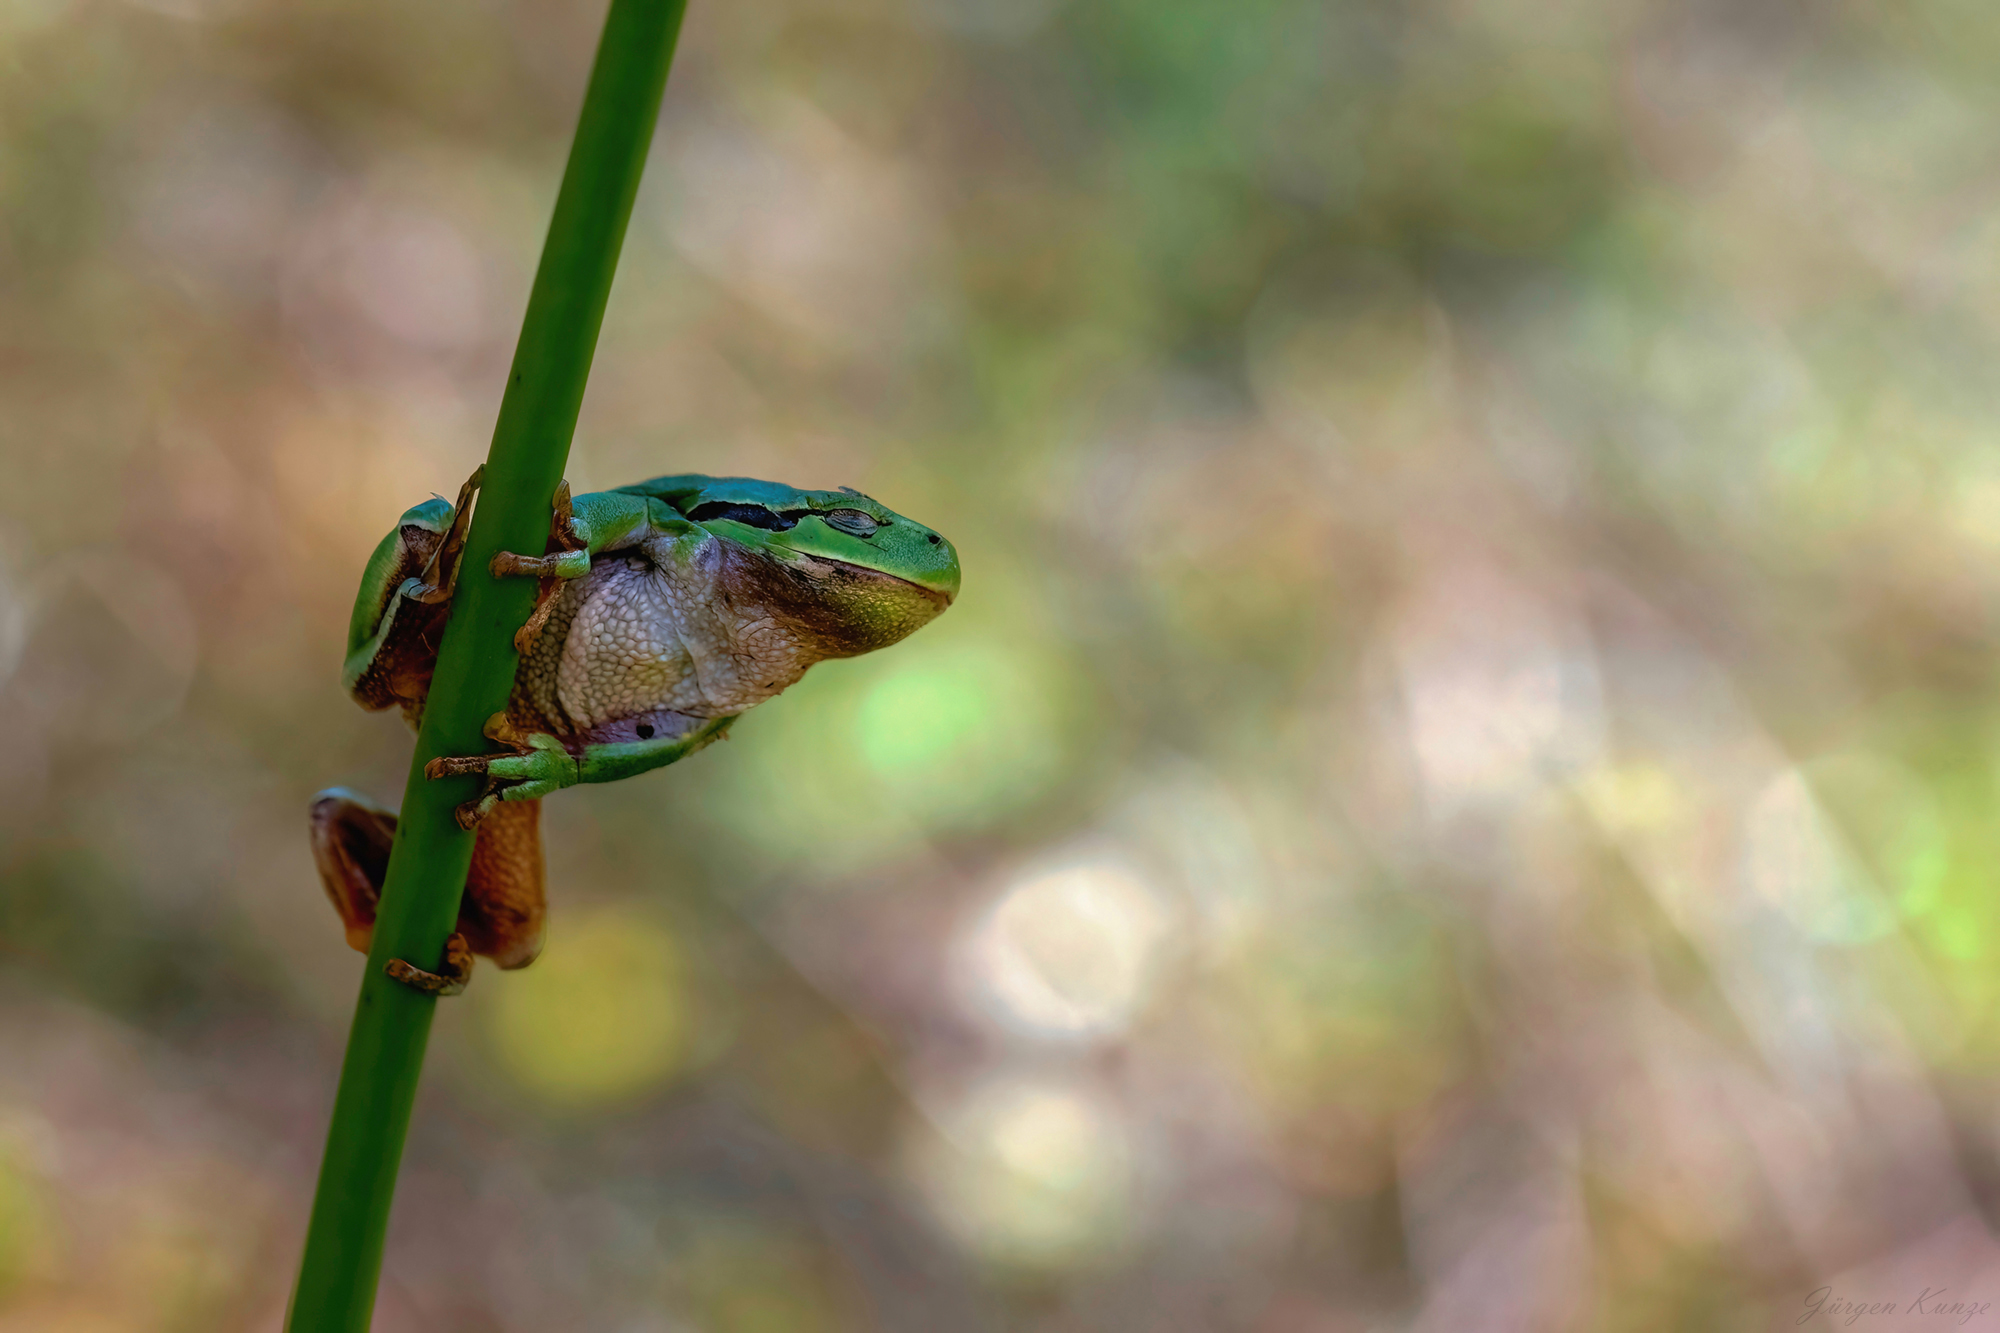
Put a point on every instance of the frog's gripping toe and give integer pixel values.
(539, 765)
(469, 813)
(450, 978)
(440, 575)
(452, 766)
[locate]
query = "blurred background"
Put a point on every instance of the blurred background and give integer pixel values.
(1458, 794)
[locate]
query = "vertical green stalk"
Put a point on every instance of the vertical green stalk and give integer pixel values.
(476, 662)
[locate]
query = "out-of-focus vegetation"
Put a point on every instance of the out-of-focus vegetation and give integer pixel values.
(1458, 794)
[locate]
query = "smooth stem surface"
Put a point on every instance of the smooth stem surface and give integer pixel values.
(476, 662)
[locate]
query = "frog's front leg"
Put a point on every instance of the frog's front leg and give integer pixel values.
(539, 766)
(570, 536)
(575, 538)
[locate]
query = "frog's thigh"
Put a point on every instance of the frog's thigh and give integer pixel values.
(503, 911)
(351, 836)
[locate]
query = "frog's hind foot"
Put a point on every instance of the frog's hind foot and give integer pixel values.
(440, 577)
(451, 977)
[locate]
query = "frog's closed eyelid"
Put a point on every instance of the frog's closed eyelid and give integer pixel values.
(852, 521)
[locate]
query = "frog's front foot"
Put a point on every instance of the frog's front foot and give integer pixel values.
(540, 766)
(570, 560)
(450, 978)
(556, 565)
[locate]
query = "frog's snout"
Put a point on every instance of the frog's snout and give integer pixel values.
(939, 573)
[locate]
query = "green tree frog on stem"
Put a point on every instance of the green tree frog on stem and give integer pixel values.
(666, 609)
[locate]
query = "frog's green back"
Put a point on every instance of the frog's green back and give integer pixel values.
(680, 490)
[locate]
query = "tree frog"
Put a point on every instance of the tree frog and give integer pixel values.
(666, 609)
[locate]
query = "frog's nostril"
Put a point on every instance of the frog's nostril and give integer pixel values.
(935, 539)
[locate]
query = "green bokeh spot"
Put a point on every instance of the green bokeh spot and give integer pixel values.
(865, 759)
(1962, 932)
(930, 718)
(958, 731)
(914, 720)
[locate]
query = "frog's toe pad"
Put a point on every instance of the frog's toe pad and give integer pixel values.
(451, 976)
(469, 813)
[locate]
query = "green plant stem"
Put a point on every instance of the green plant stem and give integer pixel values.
(476, 663)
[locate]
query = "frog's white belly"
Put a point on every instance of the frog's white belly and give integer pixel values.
(660, 632)
(624, 653)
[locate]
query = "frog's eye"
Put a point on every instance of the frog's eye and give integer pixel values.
(755, 516)
(852, 521)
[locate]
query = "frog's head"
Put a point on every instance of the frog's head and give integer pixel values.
(851, 571)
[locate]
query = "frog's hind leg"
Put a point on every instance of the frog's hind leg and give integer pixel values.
(504, 907)
(351, 836)
(504, 910)
(440, 573)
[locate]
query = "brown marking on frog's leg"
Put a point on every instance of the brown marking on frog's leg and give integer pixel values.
(453, 975)
(351, 836)
(505, 906)
(440, 576)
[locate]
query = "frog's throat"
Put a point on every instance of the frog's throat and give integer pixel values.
(834, 608)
